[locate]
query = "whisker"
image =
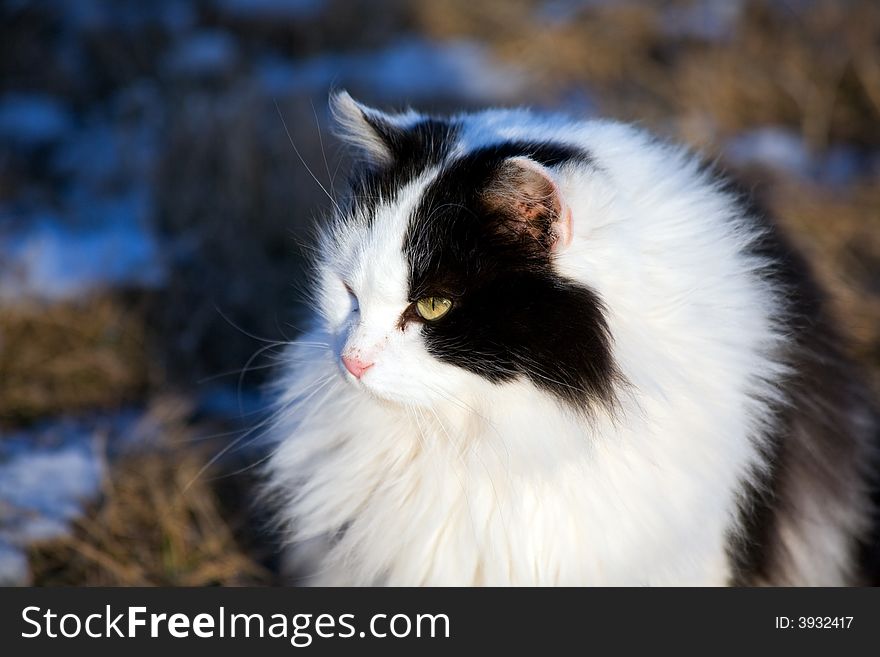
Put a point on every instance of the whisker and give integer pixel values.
(255, 368)
(330, 176)
(301, 159)
(236, 444)
(244, 332)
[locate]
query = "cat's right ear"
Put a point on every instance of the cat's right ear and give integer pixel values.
(525, 198)
(371, 132)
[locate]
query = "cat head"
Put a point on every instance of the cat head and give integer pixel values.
(437, 279)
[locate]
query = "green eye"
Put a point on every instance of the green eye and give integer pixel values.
(431, 308)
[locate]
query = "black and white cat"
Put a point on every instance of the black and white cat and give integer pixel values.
(550, 352)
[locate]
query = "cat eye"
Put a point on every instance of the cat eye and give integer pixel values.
(432, 308)
(356, 304)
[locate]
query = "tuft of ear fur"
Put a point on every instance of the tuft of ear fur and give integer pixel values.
(525, 196)
(368, 130)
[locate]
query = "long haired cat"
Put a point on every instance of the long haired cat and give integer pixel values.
(549, 352)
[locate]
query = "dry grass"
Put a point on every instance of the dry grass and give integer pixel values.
(160, 522)
(814, 68)
(841, 237)
(69, 357)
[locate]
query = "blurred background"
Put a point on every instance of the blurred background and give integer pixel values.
(153, 210)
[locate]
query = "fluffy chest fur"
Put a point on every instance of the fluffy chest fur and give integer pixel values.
(445, 497)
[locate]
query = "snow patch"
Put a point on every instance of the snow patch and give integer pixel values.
(46, 476)
(706, 20)
(203, 54)
(13, 566)
(410, 69)
(50, 486)
(49, 472)
(270, 10)
(32, 120)
(782, 149)
(132, 15)
(49, 259)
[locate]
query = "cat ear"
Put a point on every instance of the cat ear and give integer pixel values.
(528, 202)
(368, 130)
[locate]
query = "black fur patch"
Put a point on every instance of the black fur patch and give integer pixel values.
(513, 315)
(422, 145)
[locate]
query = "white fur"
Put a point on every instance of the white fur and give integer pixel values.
(424, 474)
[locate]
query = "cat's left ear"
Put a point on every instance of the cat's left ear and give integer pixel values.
(526, 198)
(371, 132)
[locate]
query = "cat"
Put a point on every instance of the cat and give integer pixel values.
(559, 352)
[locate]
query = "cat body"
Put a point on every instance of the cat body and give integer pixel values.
(633, 381)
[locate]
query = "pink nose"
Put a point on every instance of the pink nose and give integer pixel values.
(356, 366)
